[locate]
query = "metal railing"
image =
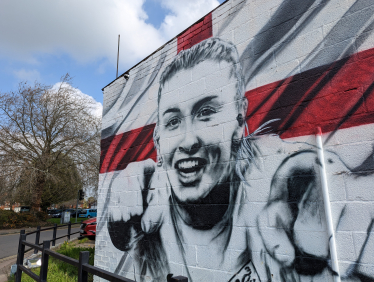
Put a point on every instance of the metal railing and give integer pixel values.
(82, 264)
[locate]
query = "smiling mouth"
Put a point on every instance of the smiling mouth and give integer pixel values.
(190, 169)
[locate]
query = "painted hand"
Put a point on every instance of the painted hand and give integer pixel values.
(138, 196)
(296, 234)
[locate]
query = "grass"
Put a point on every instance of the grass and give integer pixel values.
(84, 240)
(72, 220)
(59, 271)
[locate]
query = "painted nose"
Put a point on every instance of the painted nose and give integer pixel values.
(190, 143)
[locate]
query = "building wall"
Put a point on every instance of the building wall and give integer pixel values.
(210, 166)
(6, 206)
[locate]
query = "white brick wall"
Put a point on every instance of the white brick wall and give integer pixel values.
(277, 44)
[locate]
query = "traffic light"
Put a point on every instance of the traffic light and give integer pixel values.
(81, 195)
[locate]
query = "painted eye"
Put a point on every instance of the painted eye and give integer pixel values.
(206, 112)
(172, 123)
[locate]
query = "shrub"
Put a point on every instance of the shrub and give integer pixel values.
(10, 219)
(4, 216)
(42, 216)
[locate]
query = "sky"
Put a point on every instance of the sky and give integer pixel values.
(42, 40)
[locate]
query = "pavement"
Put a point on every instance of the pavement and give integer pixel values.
(5, 268)
(14, 231)
(6, 263)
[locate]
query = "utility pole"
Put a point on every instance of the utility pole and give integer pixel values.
(76, 207)
(79, 198)
(118, 55)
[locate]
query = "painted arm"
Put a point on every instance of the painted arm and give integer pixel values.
(296, 235)
(134, 207)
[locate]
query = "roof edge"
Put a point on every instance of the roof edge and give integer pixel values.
(158, 49)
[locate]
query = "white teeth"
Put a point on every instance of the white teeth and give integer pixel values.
(188, 164)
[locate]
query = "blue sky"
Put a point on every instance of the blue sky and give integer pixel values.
(43, 40)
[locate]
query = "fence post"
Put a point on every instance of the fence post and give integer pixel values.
(21, 254)
(69, 230)
(37, 237)
(45, 258)
(83, 259)
(22, 232)
(54, 234)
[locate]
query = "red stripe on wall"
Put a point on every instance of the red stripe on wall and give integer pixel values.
(135, 145)
(335, 96)
(196, 33)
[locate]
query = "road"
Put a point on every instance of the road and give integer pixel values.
(9, 243)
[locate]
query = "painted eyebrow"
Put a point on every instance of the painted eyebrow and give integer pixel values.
(171, 110)
(200, 103)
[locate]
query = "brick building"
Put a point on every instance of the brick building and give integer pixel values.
(242, 149)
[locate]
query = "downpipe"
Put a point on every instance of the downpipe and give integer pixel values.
(328, 214)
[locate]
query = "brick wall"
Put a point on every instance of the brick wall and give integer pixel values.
(210, 166)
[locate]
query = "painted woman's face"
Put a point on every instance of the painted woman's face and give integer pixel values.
(197, 125)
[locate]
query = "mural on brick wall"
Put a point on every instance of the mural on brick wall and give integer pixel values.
(210, 166)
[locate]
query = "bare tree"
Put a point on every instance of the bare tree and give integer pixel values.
(8, 179)
(46, 134)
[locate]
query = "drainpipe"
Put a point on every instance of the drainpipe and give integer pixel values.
(326, 200)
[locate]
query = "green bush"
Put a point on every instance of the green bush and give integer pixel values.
(4, 215)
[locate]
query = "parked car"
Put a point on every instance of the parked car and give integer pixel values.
(50, 212)
(73, 212)
(24, 209)
(88, 228)
(88, 213)
(56, 213)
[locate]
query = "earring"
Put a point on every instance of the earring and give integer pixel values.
(240, 120)
(159, 162)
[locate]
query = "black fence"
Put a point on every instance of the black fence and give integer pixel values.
(82, 264)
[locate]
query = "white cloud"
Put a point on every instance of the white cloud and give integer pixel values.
(27, 75)
(87, 30)
(97, 108)
(183, 14)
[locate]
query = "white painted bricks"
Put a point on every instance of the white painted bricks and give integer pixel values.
(273, 45)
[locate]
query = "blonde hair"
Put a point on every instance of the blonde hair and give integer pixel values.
(210, 49)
